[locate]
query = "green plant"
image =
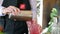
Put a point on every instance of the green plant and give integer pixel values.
(52, 15)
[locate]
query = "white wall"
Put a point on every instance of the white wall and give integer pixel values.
(39, 18)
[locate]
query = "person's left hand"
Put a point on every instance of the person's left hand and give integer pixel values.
(11, 9)
(15, 11)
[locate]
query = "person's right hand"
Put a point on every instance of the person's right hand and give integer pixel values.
(11, 9)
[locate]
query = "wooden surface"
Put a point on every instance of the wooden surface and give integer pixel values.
(24, 15)
(47, 7)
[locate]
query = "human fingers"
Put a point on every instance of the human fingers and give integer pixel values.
(6, 11)
(15, 10)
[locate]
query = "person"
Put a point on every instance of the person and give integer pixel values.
(7, 25)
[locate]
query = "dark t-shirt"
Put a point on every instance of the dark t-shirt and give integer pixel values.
(11, 26)
(17, 3)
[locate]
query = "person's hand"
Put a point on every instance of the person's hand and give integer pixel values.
(11, 9)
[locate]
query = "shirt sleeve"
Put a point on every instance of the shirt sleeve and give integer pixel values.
(1, 10)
